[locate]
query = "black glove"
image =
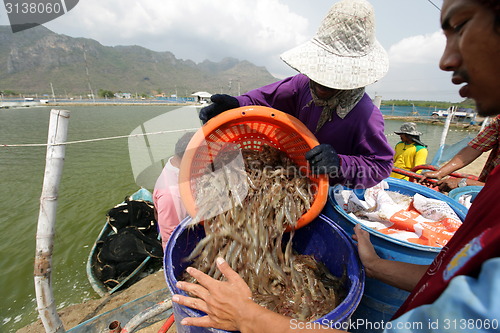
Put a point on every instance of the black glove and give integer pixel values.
(323, 159)
(221, 103)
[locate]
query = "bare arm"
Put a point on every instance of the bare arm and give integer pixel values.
(449, 183)
(395, 273)
(464, 157)
(229, 306)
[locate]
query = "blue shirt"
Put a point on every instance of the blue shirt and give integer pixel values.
(468, 304)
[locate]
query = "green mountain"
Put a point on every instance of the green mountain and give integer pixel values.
(33, 59)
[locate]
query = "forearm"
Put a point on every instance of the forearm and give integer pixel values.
(472, 182)
(395, 273)
(399, 274)
(466, 156)
(260, 320)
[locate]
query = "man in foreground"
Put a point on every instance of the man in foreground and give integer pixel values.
(461, 289)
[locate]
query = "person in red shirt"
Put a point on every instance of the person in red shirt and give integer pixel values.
(462, 283)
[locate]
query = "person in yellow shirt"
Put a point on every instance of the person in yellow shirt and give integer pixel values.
(410, 151)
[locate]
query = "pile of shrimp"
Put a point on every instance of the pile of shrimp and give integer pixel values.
(266, 194)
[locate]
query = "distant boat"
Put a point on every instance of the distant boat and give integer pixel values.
(460, 113)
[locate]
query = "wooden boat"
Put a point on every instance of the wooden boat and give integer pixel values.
(111, 231)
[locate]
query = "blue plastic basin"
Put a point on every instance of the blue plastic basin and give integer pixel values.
(456, 193)
(380, 301)
(321, 238)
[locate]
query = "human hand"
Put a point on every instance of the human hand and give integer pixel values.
(448, 184)
(323, 159)
(221, 103)
(429, 178)
(366, 251)
(224, 302)
(433, 174)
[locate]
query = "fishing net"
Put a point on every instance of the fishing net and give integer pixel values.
(133, 239)
(446, 152)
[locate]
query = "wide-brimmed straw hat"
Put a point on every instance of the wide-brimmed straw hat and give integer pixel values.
(344, 54)
(408, 128)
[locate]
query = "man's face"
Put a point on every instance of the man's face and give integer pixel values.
(472, 52)
(406, 139)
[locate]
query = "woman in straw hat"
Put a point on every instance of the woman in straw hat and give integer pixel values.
(410, 151)
(329, 97)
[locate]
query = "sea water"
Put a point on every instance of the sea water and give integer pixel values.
(96, 176)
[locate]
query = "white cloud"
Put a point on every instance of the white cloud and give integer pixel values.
(414, 71)
(260, 30)
(196, 30)
(421, 49)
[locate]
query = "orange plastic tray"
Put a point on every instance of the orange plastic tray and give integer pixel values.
(250, 127)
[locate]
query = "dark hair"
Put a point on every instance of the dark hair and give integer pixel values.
(494, 5)
(181, 145)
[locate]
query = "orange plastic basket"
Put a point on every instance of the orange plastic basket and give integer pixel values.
(250, 127)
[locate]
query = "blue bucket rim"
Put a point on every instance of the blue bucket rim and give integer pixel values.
(457, 192)
(459, 209)
(142, 194)
(354, 295)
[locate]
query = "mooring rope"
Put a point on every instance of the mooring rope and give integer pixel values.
(434, 5)
(97, 139)
(142, 134)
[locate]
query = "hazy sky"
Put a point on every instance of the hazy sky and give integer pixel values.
(260, 30)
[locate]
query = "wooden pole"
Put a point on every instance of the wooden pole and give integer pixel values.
(46, 306)
(444, 134)
(485, 123)
(446, 127)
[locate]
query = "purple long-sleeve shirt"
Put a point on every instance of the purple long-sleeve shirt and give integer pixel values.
(366, 156)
